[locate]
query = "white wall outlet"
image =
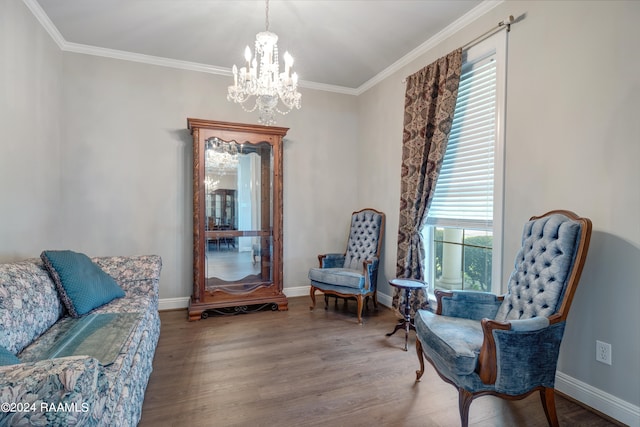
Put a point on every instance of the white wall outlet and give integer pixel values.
(603, 352)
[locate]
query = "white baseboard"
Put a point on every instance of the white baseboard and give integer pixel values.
(296, 291)
(303, 291)
(173, 303)
(291, 292)
(599, 400)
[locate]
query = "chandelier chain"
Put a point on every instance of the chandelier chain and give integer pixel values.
(266, 19)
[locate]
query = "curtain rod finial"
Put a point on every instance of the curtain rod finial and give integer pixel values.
(507, 21)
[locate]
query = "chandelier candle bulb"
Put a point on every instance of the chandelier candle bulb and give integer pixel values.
(247, 56)
(261, 81)
(288, 62)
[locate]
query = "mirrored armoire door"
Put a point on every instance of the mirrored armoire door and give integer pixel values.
(237, 218)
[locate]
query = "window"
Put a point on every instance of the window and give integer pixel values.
(463, 231)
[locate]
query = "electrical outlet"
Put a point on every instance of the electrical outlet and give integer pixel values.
(603, 352)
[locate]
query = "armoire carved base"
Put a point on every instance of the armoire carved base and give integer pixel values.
(230, 306)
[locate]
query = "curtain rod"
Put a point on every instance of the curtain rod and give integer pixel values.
(502, 25)
(505, 24)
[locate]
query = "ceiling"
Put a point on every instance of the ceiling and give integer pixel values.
(339, 43)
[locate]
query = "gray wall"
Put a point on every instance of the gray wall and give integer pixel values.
(30, 94)
(95, 157)
(572, 142)
(126, 157)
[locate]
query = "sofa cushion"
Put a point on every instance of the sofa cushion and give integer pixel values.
(98, 335)
(7, 358)
(82, 285)
(29, 303)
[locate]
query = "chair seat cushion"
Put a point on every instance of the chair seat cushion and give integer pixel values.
(456, 341)
(338, 277)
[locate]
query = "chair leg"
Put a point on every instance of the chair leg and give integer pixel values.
(360, 304)
(419, 372)
(312, 293)
(464, 402)
(547, 395)
(375, 299)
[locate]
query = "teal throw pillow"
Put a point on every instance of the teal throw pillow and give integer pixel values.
(8, 358)
(82, 285)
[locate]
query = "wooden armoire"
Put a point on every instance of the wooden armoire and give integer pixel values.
(237, 218)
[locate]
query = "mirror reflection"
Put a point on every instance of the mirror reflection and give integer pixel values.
(238, 182)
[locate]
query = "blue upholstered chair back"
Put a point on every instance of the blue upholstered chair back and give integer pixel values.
(364, 238)
(542, 268)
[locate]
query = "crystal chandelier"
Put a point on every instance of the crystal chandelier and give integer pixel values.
(221, 156)
(261, 78)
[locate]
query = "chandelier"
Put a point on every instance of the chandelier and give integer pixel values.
(260, 81)
(221, 156)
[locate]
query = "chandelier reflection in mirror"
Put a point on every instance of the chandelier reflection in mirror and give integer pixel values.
(260, 81)
(221, 156)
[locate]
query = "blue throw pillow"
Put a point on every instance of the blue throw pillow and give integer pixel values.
(8, 358)
(82, 285)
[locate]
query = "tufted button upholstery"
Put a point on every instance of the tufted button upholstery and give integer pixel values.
(363, 238)
(542, 268)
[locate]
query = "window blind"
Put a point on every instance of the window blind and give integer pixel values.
(464, 191)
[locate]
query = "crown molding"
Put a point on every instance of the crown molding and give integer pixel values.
(44, 20)
(432, 42)
(328, 88)
(66, 46)
(145, 59)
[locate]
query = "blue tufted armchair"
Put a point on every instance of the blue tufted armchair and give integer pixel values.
(354, 273)
(508, 346)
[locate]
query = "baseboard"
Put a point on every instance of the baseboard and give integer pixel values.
(599, 400)
(183, 302)
(303, 291)
(296, 291)
(291, 292)
(173, 303)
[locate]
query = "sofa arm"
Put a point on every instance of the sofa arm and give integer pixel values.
(331, 260)
(132, 271)
(53, 392)
(468, 304)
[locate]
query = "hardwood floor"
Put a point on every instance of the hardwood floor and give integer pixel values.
(312, 368)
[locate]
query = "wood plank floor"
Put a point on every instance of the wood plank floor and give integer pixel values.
(312, 368)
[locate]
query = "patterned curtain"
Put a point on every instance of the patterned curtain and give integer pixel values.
(429, 104)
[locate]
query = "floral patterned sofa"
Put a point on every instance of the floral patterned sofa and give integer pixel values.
(76, 389)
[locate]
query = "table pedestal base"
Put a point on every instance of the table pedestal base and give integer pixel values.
(406, 325)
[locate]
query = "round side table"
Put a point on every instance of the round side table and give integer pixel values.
(408, 285)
